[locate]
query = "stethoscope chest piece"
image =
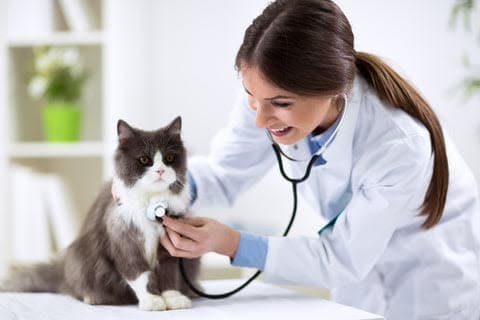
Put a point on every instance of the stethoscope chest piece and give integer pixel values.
(157, 208)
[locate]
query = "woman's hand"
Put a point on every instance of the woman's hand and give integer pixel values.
(192, 237)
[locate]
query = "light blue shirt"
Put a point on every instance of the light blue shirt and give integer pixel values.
(252, 248)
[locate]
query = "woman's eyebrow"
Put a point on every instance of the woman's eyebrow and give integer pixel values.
(268, 99)
(246, 90)
(278, 97)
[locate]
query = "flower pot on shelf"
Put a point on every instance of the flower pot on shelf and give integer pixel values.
(61, 122)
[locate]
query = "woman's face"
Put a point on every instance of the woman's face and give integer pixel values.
(287, 116)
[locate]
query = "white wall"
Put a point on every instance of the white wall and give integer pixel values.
(4, 210)
(416, 38)
(195, 43)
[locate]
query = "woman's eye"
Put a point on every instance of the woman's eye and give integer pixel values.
(145, 160)
(170, 158)
(281, 104)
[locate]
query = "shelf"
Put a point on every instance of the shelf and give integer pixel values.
(58, 39)
(26, 150)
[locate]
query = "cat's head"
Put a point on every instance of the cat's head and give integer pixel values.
(152, 160)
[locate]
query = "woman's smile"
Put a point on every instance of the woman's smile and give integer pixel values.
(280, 132)
(288, 117)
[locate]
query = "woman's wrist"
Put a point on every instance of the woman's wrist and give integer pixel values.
(230, 242)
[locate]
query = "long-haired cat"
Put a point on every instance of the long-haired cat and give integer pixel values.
(117, 257)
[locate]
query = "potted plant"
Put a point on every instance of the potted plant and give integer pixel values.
(57, 81)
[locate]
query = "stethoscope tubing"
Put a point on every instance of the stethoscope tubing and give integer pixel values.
(294, 182)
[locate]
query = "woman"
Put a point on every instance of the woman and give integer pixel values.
(406, 240)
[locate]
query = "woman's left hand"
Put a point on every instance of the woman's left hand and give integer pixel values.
(193, 236)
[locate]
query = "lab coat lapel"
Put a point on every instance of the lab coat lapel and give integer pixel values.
(330, 187)
(339, 153)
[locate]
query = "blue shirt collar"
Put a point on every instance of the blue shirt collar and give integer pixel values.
(316, 142)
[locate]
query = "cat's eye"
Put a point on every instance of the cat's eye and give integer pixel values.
(145, 160)
(170, 158)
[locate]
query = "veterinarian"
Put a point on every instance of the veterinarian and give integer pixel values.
(403, 237)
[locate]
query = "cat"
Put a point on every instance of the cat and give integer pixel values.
(117, 257)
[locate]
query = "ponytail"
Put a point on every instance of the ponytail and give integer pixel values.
(392, 88)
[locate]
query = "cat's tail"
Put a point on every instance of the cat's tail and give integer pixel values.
(40, 277)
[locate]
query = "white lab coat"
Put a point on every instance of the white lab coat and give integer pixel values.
(376, 257)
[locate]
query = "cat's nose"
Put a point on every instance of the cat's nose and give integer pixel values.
(160, 171)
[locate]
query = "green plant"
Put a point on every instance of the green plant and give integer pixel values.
(465, 10)
(58, 75)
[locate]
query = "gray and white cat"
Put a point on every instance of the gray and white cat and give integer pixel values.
(117, 257)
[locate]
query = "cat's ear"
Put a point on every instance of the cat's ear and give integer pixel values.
(124, 132)
(175, 127)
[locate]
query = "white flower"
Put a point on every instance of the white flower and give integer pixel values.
(55, 54)
(37, 87)
(70, 57)
(54, 66)
(43, 63)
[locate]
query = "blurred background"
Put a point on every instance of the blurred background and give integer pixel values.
(147, 61)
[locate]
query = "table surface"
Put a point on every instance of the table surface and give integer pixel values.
(257, 301)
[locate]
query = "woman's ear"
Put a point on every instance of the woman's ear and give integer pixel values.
(340, 101)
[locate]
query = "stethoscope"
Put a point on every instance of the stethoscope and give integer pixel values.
(294, 181)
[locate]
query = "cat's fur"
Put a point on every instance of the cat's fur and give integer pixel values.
(117, 257)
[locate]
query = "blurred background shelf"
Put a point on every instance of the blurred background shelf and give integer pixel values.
(56, 150)
(62, 38)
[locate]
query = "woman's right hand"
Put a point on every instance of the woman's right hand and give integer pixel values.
(192, 237)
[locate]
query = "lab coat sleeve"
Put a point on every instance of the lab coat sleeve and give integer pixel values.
(240, 155)
(396, 177)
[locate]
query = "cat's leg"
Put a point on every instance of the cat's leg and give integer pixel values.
(135, 270)
(166, 281)
(94, 280)
(146, 300)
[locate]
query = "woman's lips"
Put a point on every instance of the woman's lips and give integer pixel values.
(280, 132)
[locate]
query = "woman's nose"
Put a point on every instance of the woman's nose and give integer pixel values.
(262, 116)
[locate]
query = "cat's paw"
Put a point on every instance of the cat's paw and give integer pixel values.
(152, 303)
(176, 300)
(90, 300)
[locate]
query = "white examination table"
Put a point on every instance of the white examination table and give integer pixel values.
(257, 301)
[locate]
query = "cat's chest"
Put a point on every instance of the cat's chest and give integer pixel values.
(148, 232)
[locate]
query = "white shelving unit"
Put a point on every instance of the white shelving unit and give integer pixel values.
(60, 38)
(83, 166)
(42, 150)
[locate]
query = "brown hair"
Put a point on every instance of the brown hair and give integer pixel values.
(307, 47)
